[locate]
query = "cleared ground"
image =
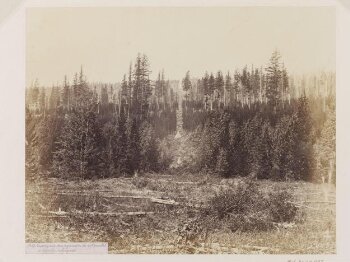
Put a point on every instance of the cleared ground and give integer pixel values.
(144, 215)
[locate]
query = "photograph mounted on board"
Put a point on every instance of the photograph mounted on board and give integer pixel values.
(181, 130)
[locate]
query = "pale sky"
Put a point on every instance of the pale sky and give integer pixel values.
(105, 40)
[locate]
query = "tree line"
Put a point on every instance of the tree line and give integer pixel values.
(252, 124)
(80, 134)
(293, 144)
(244, 87)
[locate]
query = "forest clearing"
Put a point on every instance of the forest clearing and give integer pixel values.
(105, 210)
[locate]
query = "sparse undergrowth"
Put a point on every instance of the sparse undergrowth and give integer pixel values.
(240, 217)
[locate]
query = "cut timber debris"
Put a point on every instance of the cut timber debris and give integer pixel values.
(63, 213)
(42, 207)
(134, 197)
(313, 202)
(122, 205)
(152, 199)
(285, 225)
(261, 248)
(124, 223)
(172, 181)
(164, 201)
(49, 216)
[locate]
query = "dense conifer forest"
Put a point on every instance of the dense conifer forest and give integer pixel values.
(255, 121)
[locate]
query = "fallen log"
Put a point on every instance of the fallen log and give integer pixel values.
(60, 193)
(124, 223)
(284, 225)
(78, 212)
(172, 181)
(41, 206)
(133, 197)
(261, 248)
(122, 205)
(164, 201)
(312, 202)
(320, 202)
(154, 200)
(49, 216)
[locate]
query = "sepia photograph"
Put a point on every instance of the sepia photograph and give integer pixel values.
(181, 130)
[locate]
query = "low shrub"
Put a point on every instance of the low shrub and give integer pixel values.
(237, 200)
(247, 208)
(281, 208)
(139, 182)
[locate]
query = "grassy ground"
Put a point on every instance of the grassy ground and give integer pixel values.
(156, 231)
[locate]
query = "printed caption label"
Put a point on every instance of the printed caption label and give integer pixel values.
(67, 248)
